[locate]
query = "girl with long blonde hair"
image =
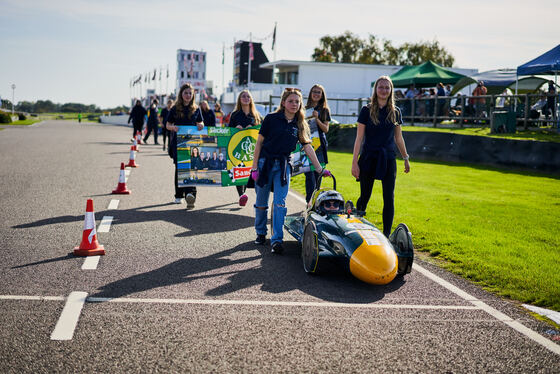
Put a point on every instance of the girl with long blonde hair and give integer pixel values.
(280, 131)
(379, 131)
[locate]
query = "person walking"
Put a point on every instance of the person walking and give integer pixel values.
(137, 115)
(184, 113)
(153, 122)
(245, 114)
(318, 121)
(280, 131)
(163, 119)
(207, 114)
(379, 130)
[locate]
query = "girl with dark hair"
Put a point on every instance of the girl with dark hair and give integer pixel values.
(184, 113)
(245, 114)
(280, 131)
(318, 121)
(379, 129)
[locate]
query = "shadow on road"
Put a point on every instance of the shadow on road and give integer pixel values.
(274, 275)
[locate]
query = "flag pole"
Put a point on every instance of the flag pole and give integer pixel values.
(249, 58)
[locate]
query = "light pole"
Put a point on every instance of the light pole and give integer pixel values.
(13, 94)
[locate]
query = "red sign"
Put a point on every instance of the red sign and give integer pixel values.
(239, 172)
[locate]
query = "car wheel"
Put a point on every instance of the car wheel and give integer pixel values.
(310, 249)
(401, 239)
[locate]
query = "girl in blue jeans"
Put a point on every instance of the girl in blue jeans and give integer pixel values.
(280, 131)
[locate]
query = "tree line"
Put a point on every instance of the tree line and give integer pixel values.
(350, 48)
(47, 106)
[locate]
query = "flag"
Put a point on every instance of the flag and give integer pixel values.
(274, 37)
(251, 55)
(167, 71)
(154, 77)
(160, 73)
(223, 53)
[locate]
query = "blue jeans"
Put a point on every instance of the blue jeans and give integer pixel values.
(278, 202)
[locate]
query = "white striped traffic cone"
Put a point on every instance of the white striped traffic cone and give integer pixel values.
(89, 245)
(121, 187)
(132, 160)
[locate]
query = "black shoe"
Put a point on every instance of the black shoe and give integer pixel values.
(277, 248)
(261, 239)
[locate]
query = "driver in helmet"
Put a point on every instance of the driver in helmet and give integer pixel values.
(330, 202)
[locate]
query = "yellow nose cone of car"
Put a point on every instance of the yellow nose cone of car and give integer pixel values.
(375, 264)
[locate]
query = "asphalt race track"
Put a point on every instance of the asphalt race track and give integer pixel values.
(188, 291)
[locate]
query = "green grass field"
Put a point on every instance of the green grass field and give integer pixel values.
(498, 228)
(542, 135)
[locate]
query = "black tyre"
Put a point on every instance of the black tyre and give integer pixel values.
(401, 239)
(310, 249)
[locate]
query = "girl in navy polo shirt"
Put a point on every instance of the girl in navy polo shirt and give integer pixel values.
(184, 113)
(280, 131)
(319, 121)
(379, 129)
(244, 115)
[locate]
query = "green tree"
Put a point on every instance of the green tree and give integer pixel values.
(350, 48)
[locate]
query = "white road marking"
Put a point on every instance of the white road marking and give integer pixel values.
(90, 263)
(490, 310)
(297, 197)
(105, 224)
(479, 304)
(64, 329)
(276, 303)
(113, 204)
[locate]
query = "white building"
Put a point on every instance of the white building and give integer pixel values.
(341, 81)
(191, 68)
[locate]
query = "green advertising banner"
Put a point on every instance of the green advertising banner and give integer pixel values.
(223, 156)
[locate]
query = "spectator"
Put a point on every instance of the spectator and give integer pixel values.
(137, 115)
(440, 101)
(430, 103)
(550, 101)
(410, 94)
(501, 100)
(153, 121)
(480, 102)
(207, 114)
(163, 119)
(219, 114)
(537, 107)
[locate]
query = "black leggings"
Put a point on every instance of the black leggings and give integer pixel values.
(241, 190)
(181, 192)
(388, 184)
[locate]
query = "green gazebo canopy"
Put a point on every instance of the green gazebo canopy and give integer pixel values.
(428, 74)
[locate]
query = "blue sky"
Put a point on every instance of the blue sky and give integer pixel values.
(87, 51)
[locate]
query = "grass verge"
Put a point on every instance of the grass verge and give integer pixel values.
(495, 227)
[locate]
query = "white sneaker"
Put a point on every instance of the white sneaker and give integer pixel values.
(190, 200)
(178, 200)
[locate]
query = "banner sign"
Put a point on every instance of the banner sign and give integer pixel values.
(223, 156)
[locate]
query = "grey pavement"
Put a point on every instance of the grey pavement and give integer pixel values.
(188, 291)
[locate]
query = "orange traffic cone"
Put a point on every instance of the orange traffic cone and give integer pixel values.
(139, 137)
(121, 187)
(89, 245)
(132, 160)
(135, 145)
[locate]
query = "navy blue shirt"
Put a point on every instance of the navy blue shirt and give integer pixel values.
(164, 114)
(380, 136)
(280, 136)
(153, 115)
(209, 118)
(239, 118)
(185, 120)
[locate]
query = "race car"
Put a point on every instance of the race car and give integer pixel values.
(332, 228)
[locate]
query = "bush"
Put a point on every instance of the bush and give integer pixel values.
(5, 118)
(21, 117)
